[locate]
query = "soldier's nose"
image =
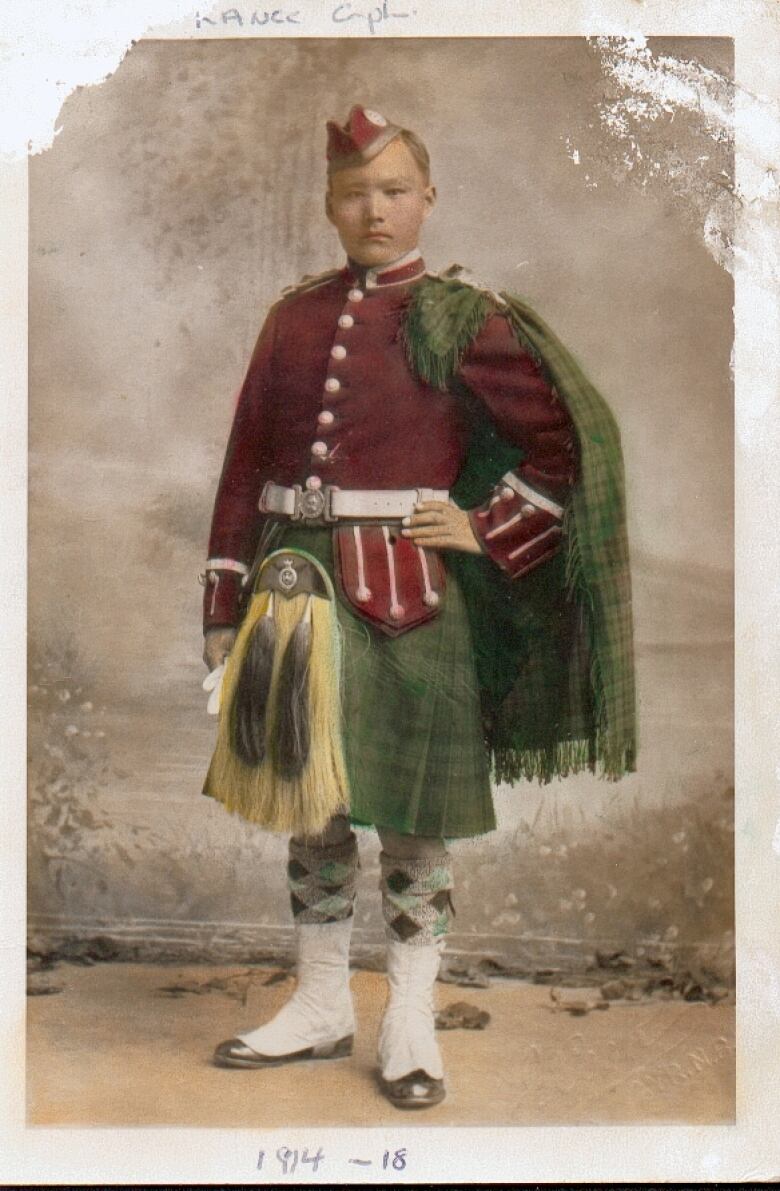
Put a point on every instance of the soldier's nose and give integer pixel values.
(375, 211)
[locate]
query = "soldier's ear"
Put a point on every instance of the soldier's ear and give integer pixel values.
(430, 200)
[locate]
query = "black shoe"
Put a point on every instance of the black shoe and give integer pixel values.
(235, 1053)
(416, 1090)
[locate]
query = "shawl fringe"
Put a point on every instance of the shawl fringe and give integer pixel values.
(443, 318)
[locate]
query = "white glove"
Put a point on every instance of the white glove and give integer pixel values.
(213, 682)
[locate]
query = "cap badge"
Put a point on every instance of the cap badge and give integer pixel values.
(363, 136)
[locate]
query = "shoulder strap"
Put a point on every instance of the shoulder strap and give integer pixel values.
(467, 277)
(310, 281)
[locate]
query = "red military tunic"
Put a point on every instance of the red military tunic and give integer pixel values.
(329, 398)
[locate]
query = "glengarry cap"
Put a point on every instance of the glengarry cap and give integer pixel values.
(365, 134)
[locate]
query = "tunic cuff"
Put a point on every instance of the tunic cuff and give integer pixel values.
(518, 528)
(222, 594)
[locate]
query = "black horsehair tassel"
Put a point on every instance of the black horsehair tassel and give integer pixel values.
(292, 735)
(252, 691)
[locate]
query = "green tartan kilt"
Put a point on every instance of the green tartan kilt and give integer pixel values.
(414, 743)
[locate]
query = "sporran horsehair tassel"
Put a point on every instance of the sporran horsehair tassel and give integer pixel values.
(279, 755)
(250, 705)
(292, 729)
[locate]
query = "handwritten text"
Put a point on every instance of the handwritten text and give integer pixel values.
(288, 1161)
(372, 16)
(258, 16)
(345, 13)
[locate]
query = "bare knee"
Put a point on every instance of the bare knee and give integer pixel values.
(337, 831)
(411, 847)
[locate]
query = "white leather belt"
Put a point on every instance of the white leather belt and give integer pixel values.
(344, 504)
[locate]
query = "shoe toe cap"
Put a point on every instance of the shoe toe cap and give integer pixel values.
(418, 1089)
(234, 1050)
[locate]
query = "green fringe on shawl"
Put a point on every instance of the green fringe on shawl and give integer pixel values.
(543, 764)
(440, 325)
(564, 759)
(553, 651)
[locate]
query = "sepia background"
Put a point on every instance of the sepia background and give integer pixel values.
(177, 201)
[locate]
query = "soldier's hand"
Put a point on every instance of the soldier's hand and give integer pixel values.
(217, 645)
(441, 526)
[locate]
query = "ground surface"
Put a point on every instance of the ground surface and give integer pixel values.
(113, 1049)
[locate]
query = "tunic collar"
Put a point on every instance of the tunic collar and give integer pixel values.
(407, 268)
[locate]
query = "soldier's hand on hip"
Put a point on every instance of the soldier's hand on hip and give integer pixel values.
(441, 526)
(217, 645)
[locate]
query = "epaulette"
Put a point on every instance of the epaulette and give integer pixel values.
(466, 277)
(309, 281)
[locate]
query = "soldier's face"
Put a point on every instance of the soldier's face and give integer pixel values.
(379, 208)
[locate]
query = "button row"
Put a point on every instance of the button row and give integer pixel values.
(319, 449)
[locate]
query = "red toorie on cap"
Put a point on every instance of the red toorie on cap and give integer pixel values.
(364, 135)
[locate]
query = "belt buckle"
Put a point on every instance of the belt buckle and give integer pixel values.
(312, 505)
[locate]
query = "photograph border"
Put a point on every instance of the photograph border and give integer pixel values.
(748, 1150)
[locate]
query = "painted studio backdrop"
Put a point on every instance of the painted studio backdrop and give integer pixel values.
(178, 199)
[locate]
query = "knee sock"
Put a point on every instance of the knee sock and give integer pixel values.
(322, 881)
(416, 899)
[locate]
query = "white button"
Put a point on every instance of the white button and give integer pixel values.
(313, 483)
(320, 449)
(338, 352)
(355, 295)
(507, 493)
(332, 385)
(346, 320)
(527, 510)
(325, 418)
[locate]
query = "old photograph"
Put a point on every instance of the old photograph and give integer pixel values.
(381, 565)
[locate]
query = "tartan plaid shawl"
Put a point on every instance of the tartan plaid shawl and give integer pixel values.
(554, 649)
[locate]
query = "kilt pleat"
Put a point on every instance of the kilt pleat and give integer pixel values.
(414, 744)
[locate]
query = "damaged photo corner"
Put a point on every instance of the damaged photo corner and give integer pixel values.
(588, 972)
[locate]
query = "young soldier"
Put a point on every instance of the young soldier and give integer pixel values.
(407, 452)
